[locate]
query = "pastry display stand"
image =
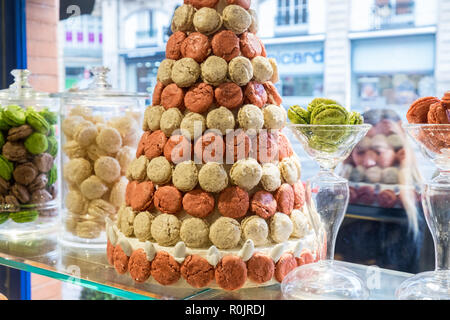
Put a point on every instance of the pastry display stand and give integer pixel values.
(90, 269)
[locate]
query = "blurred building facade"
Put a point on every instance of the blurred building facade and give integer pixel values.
(364, 53)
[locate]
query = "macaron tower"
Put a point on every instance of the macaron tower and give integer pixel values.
(214, 197)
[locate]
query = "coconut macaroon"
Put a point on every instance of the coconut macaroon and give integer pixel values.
(221, 119)
(225, 233)
(274, 117)
(281, 227)
(193, 125)
(256, 229)
(290, 169)
(262, 69)
(271, 177)
(159, 170)
(213, 177)
(171, 121)
(246, 173)
(152, 118)
(250, 117)
(165, 229)
(185, 176)
(194, 232)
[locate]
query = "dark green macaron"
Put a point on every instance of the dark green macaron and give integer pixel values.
(4, 216)
(36, 143)
(52, 176)
(298, 115)
(36, 121)
(14, 115)
(3, 125)
(355, 118)
(24, 216)
(2, 140)
(51, 117)
(52, 146)
(6, 168)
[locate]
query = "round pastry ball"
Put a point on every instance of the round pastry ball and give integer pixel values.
(109, 140)
(256, 229)
(221, 119)
(250, 117)
(198, 203)
(300, 222)
(207, 21)
(152, 117)
(262, 69)
(290, 169)
(281, 227)
(196, 46)
(373, 174)
(185, 176)
(194, 232)
(107, 169)
(246, 173)
(142, 226)
(185, 72)
(214, 70)
(213, 177)
(165, 229)
(193, 125)
(159, 170)
(274, 117)
(183, 18)
(164, 74)
(236, 19)
(93, 188)
(199, 98)
(225, 233)
(171, 121)
(77, 170)
(240, 70)
(271, 177)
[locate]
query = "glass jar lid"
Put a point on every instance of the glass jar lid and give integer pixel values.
(21, 89)
(99, 87)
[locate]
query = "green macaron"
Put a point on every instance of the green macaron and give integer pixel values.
(52, 131)
(36, 143)
(24, 216)
(329, 114)
(298, 115)
(4, 216)
(320, 101)
(52, 175)
(6, 168)
(52, 146)
(2, 139)
(51, 117)
(355, 118)
(3, 125)
(36, 121)
(14, 115)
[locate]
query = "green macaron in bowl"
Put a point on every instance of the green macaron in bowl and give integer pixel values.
(36, 143)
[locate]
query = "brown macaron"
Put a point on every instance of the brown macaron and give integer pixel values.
(140, 196)
(172, 97)
(199, 98)
(198, 4)
(229, 95)
(139, 267)
(243, 3)
(120, 260)
(225, 44)
(173, 47)
(165, 269)
(250, 45)
(418, 111)
(273, 97)
(209, 147)
(157, 92)
(233, 202)
(198, 203)
(286, 264)
(260, 268)
(177, 149)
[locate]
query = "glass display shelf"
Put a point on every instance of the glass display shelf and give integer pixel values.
(45, 255)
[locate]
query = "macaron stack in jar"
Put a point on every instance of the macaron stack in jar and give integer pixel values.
(214, 197)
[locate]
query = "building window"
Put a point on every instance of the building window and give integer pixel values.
(393, 13)
(292, 12)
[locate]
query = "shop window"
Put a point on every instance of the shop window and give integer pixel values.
(302, 86)
(292, 12)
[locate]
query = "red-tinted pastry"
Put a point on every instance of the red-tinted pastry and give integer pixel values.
(387, 199)
(198, 203)
(264, 204)
(267, 146)
(306, 257)
(225, 44)
(157, 92)
(197, 271)
(437, 114)
(173, 47)
(260, 268)
(255, 94)
(129, 191)
(178, 149)
(120, 260)
(139, 267)
(172, 97)
(286, 264)
(229, 95)
(446, 100)
(284, 147)
(165, 269)
(196, 46)
(231, 273)
(141, 198)
(299, 195)
(243, 3)
(198, 4)
(273, 97)
(168, 199)
(210, 147)
(110, 253)
(418, 111)
(250, 45)
(238, 146)
(285, 198)
(233, 202)
(151, 144)
(366, 195)
(199, 98)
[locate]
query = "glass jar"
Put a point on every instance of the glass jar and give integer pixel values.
(29, 140)
(100, 132)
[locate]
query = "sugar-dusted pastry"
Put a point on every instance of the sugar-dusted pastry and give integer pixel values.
(193, 125)
(236, 19)
(207, 21)
(194, 232)
(274, 117)
(271, 177)
(107, 169)
(225, 233)
(77, 170)
(93, 188)
(250, 117)
(165, 229)
(185, 176)
(300, 222)
(214, 70)
(256, 229)
(246, 173)
(221, 119)
(262, 69)
(281, 227)
(213, 177)
(240, 70)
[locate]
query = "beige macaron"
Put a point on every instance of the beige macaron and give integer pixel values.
(164, 74)
(77, 170)
(214, 70)
(225, 233)
(240, 70)
(212, 177)
(171, 121)
(165, 229)
(142, 226)
(159, 170)
(107, 169)
(194, 232)
(185, 176)
(109, 140)
(152, 117)
(221, 119)
(93, 188)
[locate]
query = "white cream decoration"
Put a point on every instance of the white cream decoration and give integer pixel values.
(149, 250)
(180, 252)
(276, 252)
(247, 250)
(298, 249)
(112, 235)
(213, 256)
(126, 246)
